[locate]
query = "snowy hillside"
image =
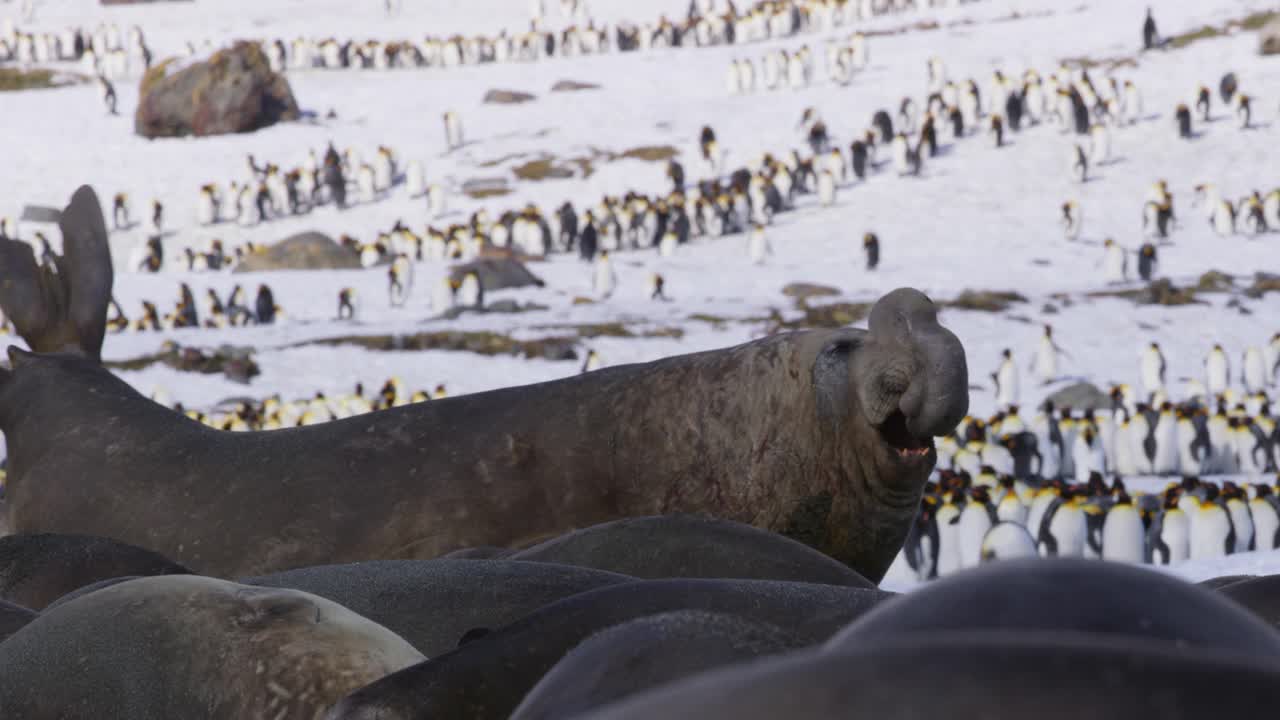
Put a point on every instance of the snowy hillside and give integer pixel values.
(977, 216)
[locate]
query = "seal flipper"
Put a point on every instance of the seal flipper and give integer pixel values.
(24, 296)
(86, 270)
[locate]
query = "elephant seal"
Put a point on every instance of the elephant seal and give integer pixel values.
(1260, 595)
(1067, 595)
(13, 618)
(462, 683)
(974, 676)
(433, 603)
(686, 546)
(185, 646)
(646, 653)
(1224, 581)
(824, 436)
(36, 569)
(63, 307)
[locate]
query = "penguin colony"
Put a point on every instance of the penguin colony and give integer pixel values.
(104, 51)
(705, 25)
(210, 312)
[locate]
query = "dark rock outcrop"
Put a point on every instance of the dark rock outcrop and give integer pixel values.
(234, 91)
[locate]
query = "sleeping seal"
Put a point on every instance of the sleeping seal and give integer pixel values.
(184, 646)
(433, 603)
(823, 436)
(646, 653)
(972, 676)
(39, 568)
(462, 683)
(675, 546)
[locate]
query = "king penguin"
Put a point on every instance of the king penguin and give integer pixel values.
(1266, 519)
(1006, 541)
(1115, 262)
(1254, 370)
(758, 245)
(1079, 163)
(1147, 262)
(1166, 460)
(1123, 532)
(1006, 380)
(1182, 116)
(603, 278)
(1217, 371)
(1064, 530)
(1153, 369)
(1212, 534)
(1072, 219)
(871, 247)
(1169, 536)
(976, 520)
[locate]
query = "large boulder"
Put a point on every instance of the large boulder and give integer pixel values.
(1269, 38)
(234, 91)
(305, 251)
(498, 273)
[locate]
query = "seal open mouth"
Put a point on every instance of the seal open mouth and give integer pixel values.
(897, 436)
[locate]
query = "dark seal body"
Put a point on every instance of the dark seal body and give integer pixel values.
(823, 436)
(37, 569)
(184, 646)
(433, 603)
(685, 546)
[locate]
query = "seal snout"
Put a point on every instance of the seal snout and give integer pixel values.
(925, 360)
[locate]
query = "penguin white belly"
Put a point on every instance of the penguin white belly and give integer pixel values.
(997, 457)
(667, 246)
(1099, 145)
(1255, 370)
(1188, 463)
(1006, 541)
(1223, 218)
(1266, 523)
(1011, 509)
(437, 202)
(1116, 265)
(1088, 459)
(1007, 380)
(1210, 527)
(442, 298)
(1046, 362)
(415, 179)
(1175, 535)
(826, 189)
(1035, 513)
(1069, 530)
(1139, 430)
(732, 82)
(1242, 523)
(949, 557)
(901, 162)
(1216, 372)
(1124, 464)
(973, 527)
(1123, 535)
(604, 279)
(1166, 457)
(968, 461)
(1249, 456)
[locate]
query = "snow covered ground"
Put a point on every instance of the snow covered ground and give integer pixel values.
(978, 217)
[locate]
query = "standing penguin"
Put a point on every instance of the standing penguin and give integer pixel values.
(976, 519)
(1254, 372)
(470, 292)
(1147, 262)
(1079, 163)
(346, 304)
(1072, 219)
(1169, 536)
(157, 217)
(997, 131)
(1045, 362)
(1212, 534)
(858, 159)
(1266, 519)
(1203, 100)
(264, 306)
(1064, 530)
(948, 521)
(108, 94)
(1244, 112)
(588, 238)
(826, 188)
(1006, 380)
(1115, 262)
(1088, 457)
(1099, 144)
(603, 278)
(452, 130)
(1167, 456)
(1217, 371)
(1123, 532)
(1182, 116)
(657, 288)
(1153, 368)
(334, 179)
(871, 247)
(1150, 36)
(591, 363)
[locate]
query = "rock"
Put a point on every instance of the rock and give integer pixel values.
(480, 188)
(305, 251)
(508, 97)
(234, 91)
(236, 363)
(1215, 281)
(1081, 396)
(804, 291)
(1269, 38)
(985, 300)
(1263, 283)
(1164, 292)
(498, 273)
(573, 86)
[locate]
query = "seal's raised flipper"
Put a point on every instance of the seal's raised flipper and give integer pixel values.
(62, 308)
(86, 268)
